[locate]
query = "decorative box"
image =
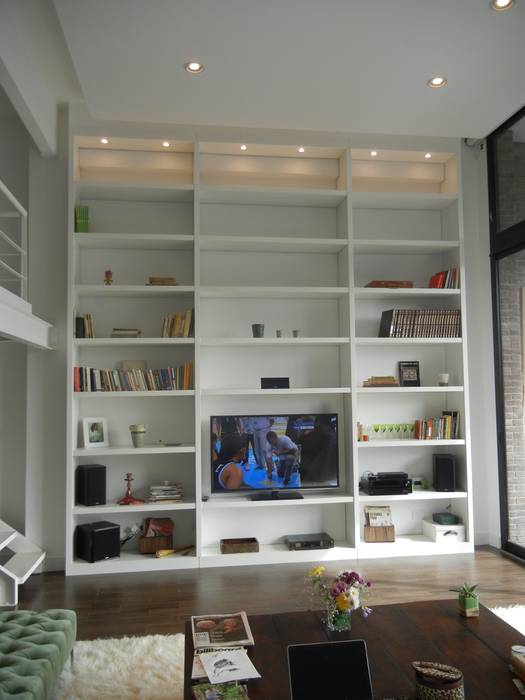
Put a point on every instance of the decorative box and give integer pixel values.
(443, 533)
(436, 681)
(150, 545)
(385, 533)
(239, 545)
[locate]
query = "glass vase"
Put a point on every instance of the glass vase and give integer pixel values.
(337, 621)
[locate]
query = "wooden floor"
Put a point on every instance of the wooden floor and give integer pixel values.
(138, 604)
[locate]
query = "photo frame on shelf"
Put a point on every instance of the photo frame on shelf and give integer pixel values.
(409, 373)
(95, 432)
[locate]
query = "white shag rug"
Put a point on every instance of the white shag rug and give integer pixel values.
(130, 668)
(514, 616)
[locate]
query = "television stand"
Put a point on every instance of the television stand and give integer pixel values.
(275, 495)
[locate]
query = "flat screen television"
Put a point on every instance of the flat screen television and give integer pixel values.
(274, 452)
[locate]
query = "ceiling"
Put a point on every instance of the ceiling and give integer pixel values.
(329, 65)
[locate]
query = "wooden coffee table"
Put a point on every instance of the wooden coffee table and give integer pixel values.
(395, 635)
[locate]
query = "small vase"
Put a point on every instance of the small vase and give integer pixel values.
(338, 621)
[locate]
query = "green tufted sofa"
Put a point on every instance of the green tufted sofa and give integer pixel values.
(34, 646)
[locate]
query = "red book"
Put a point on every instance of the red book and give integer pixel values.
(76, 378)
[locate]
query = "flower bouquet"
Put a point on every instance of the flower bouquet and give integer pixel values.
(340, 596)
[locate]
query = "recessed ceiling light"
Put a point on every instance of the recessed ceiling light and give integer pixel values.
(301, 149)
(243, 147)
(437, 82)
(194, 67)
(373, 153)
(428, 155)
(500, 5)
(166, 144)
(104, 141)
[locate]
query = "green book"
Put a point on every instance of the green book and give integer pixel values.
(81, 219)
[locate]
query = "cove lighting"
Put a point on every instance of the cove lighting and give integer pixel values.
(500, 5)
(243, 147)
(301, 149)
(166, 144)
(373, 153)
(428, 155)
(104, 141)
(194, 67)
(437, 82)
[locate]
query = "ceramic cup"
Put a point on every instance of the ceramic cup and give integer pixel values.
(443, 379)
(138, 433)
(258, 330)
(278, 334)
(295, 334)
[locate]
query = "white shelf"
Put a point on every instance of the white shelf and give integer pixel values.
(414, 496)
(411, 546)
(134, 191)
(120, 451)
(22, 564)
(414, 292)
(168, 393)
(277, 392)
(112, 342)
(7, 534)
(143, 508)
(261, 342)
(133, 290)
(219, 502)
(136, 241)
(276, 196)
(402, 247)
(272, 244)
(276, 554)
(408, 341)
(402, 200)
(409, 443)
(131, 562)
(248, 292)
(409, 390)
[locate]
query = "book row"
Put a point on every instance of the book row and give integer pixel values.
(446, 279)
(420, 323)
(446, 427)
(89, 379)
(84, 326)
(179, 325)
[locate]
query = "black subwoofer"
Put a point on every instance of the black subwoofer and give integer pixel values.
(97, 541)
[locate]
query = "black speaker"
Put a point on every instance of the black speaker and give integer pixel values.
(444, 471)
(97, 541)
(91, 485)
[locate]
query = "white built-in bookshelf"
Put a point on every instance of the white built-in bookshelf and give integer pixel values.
(290, 240)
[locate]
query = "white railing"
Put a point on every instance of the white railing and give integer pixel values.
(13, 273)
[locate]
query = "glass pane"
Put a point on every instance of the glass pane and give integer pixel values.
(512, 328)
(510, 176)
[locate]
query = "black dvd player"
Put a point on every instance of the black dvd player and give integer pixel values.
(386, 484)
(318, 540)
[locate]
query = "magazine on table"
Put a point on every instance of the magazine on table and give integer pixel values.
(222, 691)
(230, 630)
(225, 665)
(197, 671)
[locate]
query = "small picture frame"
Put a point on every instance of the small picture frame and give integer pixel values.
(95, 431)
(409, 373)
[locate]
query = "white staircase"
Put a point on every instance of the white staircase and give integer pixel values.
(25, 558)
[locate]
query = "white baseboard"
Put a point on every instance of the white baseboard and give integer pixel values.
(491, 538)
(52, 564)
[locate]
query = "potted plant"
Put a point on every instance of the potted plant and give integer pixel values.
(468, 600)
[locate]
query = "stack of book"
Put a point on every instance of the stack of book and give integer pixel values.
(179, 325)
(84, 326)
(172, 378)
(446, 279)
(420, 323)
(81, 219)
(167, 492)
(391, 284)
(126, 333)
(446, 427)
(388, 380)
(162, 281)
(220, 658)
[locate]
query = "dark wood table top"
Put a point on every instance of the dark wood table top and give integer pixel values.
(395, 636)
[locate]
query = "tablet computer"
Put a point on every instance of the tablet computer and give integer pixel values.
(335, 670)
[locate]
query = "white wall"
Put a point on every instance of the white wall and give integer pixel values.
(480, 349)
(35, 67)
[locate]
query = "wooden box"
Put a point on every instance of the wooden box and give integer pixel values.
(239, 545)
(380, 534)
(149, 545)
